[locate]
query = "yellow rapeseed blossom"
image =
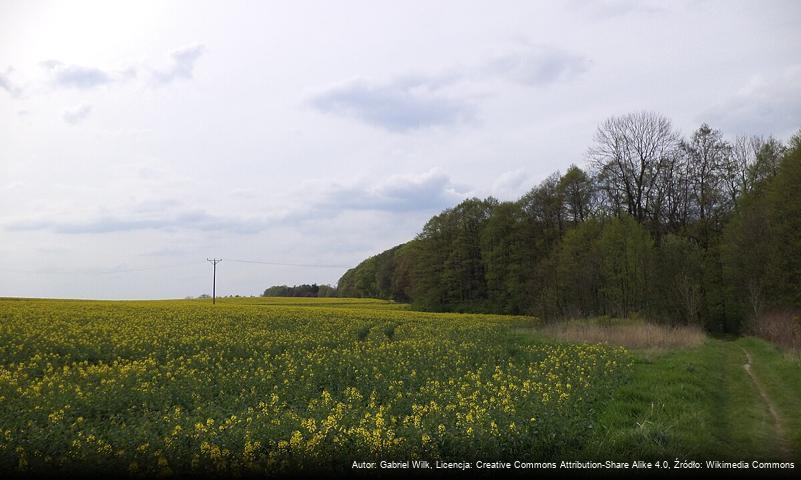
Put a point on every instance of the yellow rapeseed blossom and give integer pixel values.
(159, 388)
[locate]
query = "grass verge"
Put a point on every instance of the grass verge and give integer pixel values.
(689, 396)
(780, 374)
(700, 404)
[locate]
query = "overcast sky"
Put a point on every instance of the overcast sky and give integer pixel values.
(138, 139)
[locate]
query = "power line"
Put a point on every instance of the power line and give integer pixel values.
(116, 271)
(305, 265)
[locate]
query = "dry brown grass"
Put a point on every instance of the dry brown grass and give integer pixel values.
(631, 334)
(781, 328)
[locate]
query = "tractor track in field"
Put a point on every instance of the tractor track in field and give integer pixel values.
(778, 425)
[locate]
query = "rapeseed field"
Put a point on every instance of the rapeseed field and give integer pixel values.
(281, 385)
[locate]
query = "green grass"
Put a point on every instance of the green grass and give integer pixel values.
(699, 403)
(780, 374)
(692, 399)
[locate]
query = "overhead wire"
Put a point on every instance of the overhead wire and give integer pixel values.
(114, 271)
(307, 265)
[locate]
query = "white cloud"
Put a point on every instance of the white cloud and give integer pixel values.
(76, 115)
(766, 105)
(181, 66)
(428, 192)
(538, 65)
(81, 77)
(399, 105)
(195, 219)
(9, 85)
(413, 102)
(617, 8)
(511, 185)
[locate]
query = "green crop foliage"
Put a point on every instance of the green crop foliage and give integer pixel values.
(282, 385)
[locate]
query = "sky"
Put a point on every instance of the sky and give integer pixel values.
(138, 139)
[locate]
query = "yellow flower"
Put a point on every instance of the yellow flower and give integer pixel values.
(296, 439)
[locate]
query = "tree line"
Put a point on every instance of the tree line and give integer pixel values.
(304, 290)
(698, 230)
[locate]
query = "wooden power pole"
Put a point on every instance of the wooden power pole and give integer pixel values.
(214, 262)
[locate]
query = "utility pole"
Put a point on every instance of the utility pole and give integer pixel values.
(214, 262)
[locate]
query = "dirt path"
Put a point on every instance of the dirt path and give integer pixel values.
(777, 422)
